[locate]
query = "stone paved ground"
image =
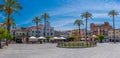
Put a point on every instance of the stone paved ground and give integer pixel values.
(105, 50)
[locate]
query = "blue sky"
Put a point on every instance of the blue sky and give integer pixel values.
(64, 12)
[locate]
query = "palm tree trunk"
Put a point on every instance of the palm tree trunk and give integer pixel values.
(86, 31)
(37, 29)
(114, 29)
(79, 32)
(44, 27)
(8, 28)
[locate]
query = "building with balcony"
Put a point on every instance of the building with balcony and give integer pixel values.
(97, 29)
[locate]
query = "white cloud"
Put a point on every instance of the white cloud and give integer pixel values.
(62, 22)
(100, 15)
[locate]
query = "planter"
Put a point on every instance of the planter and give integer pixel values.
(76, 45)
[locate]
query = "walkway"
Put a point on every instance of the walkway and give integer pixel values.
(106, 50)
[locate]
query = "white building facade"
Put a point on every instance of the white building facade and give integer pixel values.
(32, 31)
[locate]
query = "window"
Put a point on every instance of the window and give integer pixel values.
(32, 31)
(47, 33)
(13, 33)
(51, 33)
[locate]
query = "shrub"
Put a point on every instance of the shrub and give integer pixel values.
(96, 38)
(101, 37)
(71, 38)
(48, 37)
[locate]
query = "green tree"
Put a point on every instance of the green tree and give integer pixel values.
(7, 35)
(48, 38)
(10, 7)
(37, 20)
(86, 15)
(45, 16)
(1, 35)
(96, 38)
(101, 37)
(4, 34)
(112, 14)
(78, 23)
(72, 38)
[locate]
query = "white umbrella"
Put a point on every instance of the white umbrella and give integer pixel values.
(82, 38)
(32, 38)
(62, 38)
(94, 36)
(55, 38)
(41, 37)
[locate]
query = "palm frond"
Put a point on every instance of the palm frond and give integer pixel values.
(11, 6)
(11, 22)
(45, 16)
(78, 22)
(86, 15)
(36, 19)
(113, 13)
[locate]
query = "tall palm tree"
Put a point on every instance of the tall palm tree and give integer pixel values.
(112, 14)
(37, 20)
(45, 16)
(78, 23)
(86, 15)
(9, 7)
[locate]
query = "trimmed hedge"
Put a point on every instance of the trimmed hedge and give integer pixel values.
(76, 45)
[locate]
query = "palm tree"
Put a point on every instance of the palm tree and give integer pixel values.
(78, 23)
(9, 7)
(112, 14)
(45, 16)
(37, 20)
(86, 15)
